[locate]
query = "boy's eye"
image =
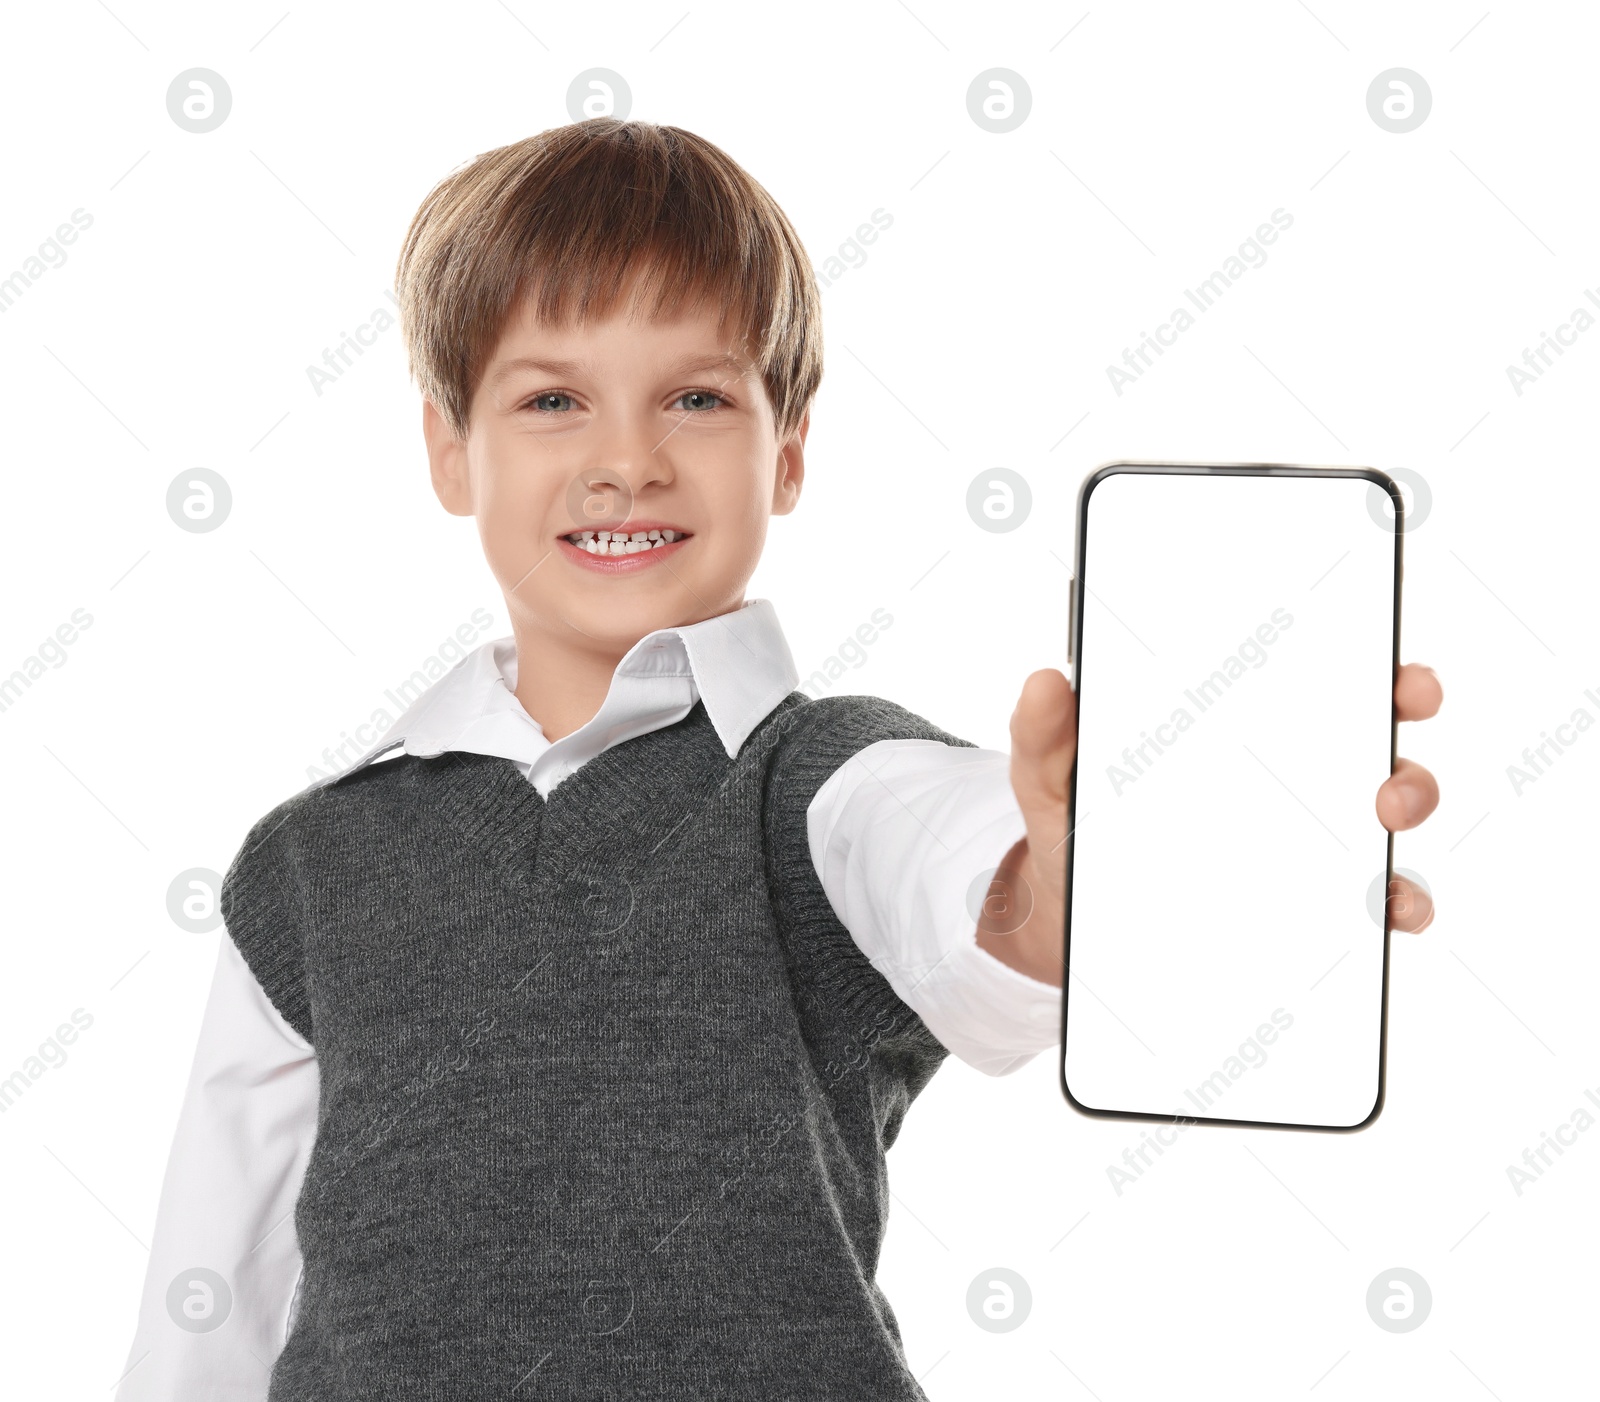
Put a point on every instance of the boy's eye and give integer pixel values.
(556, 401)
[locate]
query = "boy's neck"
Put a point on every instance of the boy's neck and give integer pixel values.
(561, 680)
(563, 677)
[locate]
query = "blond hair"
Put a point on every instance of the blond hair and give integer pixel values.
(570, 215)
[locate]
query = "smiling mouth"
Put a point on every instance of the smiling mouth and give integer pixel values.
(623, 542)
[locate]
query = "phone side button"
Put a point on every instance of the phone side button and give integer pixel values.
(1072, 612)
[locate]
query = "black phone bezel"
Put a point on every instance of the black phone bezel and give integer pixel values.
(1075, 656)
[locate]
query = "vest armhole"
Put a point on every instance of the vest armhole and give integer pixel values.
(263, 910)
(820, 737)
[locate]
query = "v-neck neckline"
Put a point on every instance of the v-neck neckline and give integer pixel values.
(493, 807)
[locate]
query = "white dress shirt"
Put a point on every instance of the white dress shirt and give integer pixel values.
(898, 835)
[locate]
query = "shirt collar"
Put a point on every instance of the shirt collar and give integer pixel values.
(737, 663)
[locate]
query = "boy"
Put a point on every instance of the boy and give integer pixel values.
(572, 1037)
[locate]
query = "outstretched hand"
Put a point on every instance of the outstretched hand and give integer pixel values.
(1044, 743)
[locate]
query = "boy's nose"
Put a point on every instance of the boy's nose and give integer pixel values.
(635, 455)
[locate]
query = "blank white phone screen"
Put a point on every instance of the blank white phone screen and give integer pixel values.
(1235, 673)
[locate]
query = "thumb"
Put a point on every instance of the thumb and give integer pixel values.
(1044, 742)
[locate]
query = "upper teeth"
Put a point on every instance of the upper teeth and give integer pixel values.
(621, 542)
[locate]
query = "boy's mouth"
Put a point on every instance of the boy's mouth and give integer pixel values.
(636, 541)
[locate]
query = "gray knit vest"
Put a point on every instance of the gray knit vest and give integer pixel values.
(606, 1087)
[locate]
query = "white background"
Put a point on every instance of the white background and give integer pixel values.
(976, 335)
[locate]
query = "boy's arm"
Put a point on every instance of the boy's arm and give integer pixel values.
(904, 836)
(227, 1201)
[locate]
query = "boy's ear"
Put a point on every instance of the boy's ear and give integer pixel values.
(447, 462)
(791, 468)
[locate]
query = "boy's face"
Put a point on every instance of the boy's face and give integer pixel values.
(619, 424)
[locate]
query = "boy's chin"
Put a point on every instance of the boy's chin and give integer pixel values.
(618, 618)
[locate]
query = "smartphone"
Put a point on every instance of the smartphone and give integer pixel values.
(1235, 634)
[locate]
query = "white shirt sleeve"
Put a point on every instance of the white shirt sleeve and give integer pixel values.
(899, 835)
(233, 1175)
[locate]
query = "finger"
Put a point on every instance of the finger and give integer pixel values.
(1044, 739)
(1410, 907)
(1407, 796)
(1417, 693)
